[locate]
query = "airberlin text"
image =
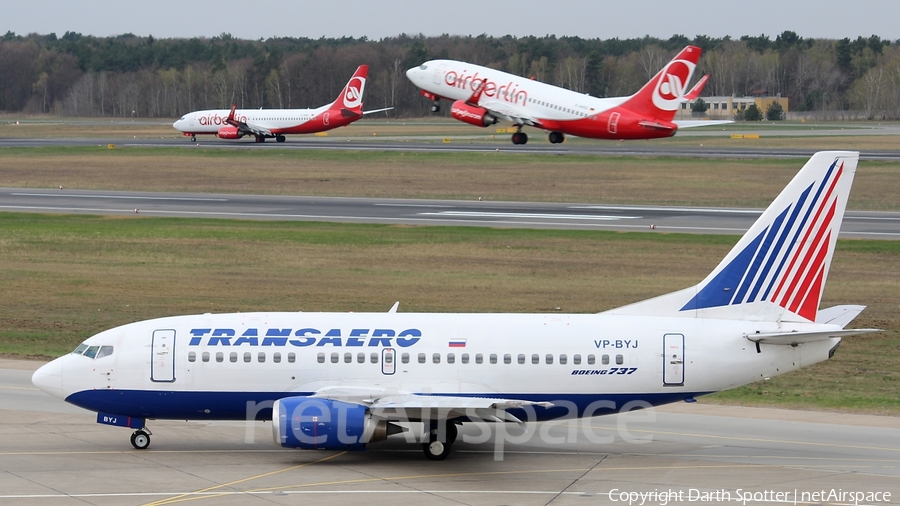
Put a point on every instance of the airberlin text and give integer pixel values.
(302, 338)
(215, 119)
(509, 92)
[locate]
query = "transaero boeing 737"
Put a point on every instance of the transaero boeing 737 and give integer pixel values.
(482, 97)
(341, 381)
(263, 124)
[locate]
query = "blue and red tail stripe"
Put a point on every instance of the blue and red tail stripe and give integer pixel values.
(799, 277)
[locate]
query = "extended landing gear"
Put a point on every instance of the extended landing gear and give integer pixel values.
(438, 445)
(279, 138)
(436, 106)
(140, 439)
(519, 138)
(260, 138)
(556, 137)
(193, 138)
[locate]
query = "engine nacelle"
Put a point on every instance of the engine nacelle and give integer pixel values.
(471, 114)
(311, 423)
(229, 132)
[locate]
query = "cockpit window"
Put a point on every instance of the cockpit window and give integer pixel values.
(93, 351)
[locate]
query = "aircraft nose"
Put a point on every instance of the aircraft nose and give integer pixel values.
(177, 124)
(412, 73)
(49, 378)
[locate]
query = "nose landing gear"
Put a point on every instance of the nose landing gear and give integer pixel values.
(141, 439)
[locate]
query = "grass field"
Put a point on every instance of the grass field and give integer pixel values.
(466, 176)
(68, 277)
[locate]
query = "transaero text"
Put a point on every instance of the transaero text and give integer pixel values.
(302, 338)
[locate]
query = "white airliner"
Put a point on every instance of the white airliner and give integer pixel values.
(263, 124)
(483, 96)
(344, 380)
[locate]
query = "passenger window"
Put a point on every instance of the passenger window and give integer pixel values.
(479, 358)
(563, 359)
(493, 358)
(91, 352)
(205, 356)
(507, 358)
(591, 360)
(620, 360)
(348, 358)
(276, 357)
(464, 358)
(192, 356)
(451, 358)
(404, 358)
(233, 357)
(292, 357)
(535, 358)
(521, 358)
(576, 359)
(421, 358)
(247, 357)
(105, 351)
(436, 358)
(261, 357)
(220, 357)
(321, 358)
(605, 359)
(373, 358)
(549, 358)
(335, 358)
(361, 358)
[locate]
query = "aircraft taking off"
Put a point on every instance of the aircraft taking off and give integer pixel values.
(340, 381)
(268, 123)
(484, 96)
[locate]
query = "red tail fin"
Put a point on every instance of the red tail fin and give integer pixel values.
(662, 96)
(350, 101)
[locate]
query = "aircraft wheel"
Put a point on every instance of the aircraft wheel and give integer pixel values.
(140, 440)
(452, 433)
(260, 139)
(436, 107)
(519, 138)
(436, 450)
(193, 138)
(556, 137)
(280, 138)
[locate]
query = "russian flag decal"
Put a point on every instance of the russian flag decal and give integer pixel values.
(457, 343)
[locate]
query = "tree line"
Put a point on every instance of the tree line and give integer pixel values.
(132, 76)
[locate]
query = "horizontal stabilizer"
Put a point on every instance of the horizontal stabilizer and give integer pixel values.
(377, 110)
(839, 315)
(701, 123)
(792, 338)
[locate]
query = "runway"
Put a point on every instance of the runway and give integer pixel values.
(474, 143)
(53, 453)
(857, 224)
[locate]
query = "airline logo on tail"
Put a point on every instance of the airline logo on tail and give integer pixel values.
(354, 92)
(672, 84)
(786, 263)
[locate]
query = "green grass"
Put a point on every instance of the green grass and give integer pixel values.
(65, 278)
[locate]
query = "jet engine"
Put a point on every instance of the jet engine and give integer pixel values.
(471, 114)
(311, 423)
(229, 132)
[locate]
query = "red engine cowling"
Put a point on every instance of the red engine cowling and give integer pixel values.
(229, 132)
(471, 114)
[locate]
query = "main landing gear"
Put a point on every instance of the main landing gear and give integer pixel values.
(519, 138)
(260, 138)
(556, 137)
(438, 445)
(141, 439)
(279, 138)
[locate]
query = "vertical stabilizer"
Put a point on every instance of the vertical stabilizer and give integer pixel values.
(350, 101)
(663, 95)
(777, 271)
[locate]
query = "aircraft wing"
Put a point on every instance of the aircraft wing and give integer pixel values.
(792, 338)
(386, 404)
(510, 112)
(246, 127)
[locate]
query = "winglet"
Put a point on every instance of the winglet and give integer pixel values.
(476, 95)
(230, 119)
(695, 91)
(394, 307)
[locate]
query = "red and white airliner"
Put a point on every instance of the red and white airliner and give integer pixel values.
(275, 123)
(484, 96)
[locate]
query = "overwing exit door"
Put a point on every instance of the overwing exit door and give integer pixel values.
(673, 360)
(388, 361)
(162, 362)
